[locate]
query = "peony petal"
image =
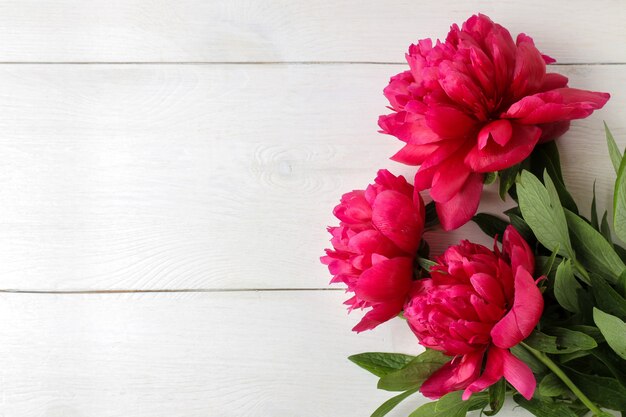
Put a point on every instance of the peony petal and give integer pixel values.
(414, 154)
(388, 279)
(396, 217)
(494, 157)
(449, 122)
(507, 278)
(520, 321)
(397, 92)
(445, 150)
(553, 80)
(353, 208)
(501, 48)
(551, 131)
(372, 241)
(459, 210)
(453, 376)
(492, 373)
(460, 87)
(500, 131)
(487, 312)
(408, 127)
(583, 97)
(418, 203)
(501, 362)
(385, 180)
(379, 313)
(424, 178)
(483, 70)
(514, 245)
(518, 374)
(378, 258)
(489, 288)
(556, 105)
(448, 179)
(530, 68)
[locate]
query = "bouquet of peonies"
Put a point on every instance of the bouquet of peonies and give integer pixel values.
(541, 315)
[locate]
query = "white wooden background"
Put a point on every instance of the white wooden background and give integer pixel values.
(167, 172)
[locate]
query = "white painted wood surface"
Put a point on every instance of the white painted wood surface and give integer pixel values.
(580, 31)
(256, 354)
(207, 176)
(146, 148)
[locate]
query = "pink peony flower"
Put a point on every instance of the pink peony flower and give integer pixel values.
(477, 303)
(375, 245)
(478, 102)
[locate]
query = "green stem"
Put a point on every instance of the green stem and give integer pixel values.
(582, 271)
(558, 372)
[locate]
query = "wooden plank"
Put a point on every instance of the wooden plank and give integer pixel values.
(572, 31)
(279, 354)
(159, 176)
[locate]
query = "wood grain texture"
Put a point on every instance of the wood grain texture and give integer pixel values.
(161, 174)
(278, 354)
(290, 30)
(174, 177)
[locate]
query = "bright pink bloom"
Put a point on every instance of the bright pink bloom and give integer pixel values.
(478, 102)
(375, 245)
(477, 302)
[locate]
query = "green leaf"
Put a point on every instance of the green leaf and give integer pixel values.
(574, 340)
(426, 410)
(507, 179)
(621, 284)
(496, 397)
(619, 202)
(380, 363)
(525, 356)
(490, 178)
(607, 298)
(614, 331)
(605, 229)
(589, 331)
(546, 267)
(544, 214)
(426, 264)
(594, 210)
(551, 386)
(614, 152)
(448, 401)
(451, 405)
(580, 409)
(620, 251)
(431, 218)
(414, 373)
(424, 249)
(604, 391)
(491, 225)
(613, 363)
(595, 253)
(545, 158)
(566, 198)
(561, 341)
(391, 403)
(566, 287)
(520, 224)
(567, 357)
(542, 408)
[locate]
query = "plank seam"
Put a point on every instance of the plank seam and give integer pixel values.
(563, 64)
(183, 290)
